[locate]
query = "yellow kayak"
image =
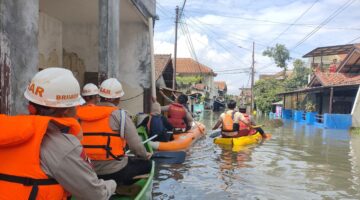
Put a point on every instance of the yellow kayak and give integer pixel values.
(240, 141)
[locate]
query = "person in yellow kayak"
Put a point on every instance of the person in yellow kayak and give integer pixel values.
(229, 122)
(90, 93)
(107, 130)
(251, 119)
(41, 155)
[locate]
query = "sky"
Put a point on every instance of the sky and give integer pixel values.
(220, 33)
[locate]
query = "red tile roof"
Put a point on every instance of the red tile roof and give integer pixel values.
(190, 66)
(220, 85)
(327, 79)
(161, 61)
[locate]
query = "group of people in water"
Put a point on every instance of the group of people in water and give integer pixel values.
(67, 146)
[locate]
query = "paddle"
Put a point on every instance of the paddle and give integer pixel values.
(217, 132)
(169, 157)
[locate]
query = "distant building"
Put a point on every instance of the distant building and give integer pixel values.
(333, 90)
(221, 88)
(278, 75)
(188, 68)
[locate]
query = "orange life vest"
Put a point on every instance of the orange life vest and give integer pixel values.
(176, 115)
(21, 176)
(100, 141)
(228, 122)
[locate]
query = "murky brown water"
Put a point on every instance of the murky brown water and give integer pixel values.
(299, 162)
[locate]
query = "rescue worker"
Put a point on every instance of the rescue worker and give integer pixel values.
(158, 125)
(252, 122)
(41, 157)
(229, 122)
(178, 116)
(90, 94)
(107, 129)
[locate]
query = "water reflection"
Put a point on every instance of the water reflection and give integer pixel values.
(299, 162)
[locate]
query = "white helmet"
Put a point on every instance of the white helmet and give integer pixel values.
(111, 88)
(90, 89)
(54, 87)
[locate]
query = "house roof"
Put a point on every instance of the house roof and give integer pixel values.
(330, 50)
(190, 66)
(220, 85)
(331, 79)
(161, 61)
(351, 64)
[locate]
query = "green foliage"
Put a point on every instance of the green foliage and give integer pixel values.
(299, 77)
(280, 54)
(265, 93)
(310, 106)
(188, 80)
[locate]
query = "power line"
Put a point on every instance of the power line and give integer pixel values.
(354, 40)
(327, 20)
(292, 24)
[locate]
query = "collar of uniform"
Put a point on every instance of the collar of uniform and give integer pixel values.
(105, 104)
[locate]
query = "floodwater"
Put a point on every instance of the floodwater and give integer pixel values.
(298, 162)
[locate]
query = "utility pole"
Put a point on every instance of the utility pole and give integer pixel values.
(175, 47)
(252, 79)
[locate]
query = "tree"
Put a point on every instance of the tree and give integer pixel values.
(280, 54)
(265, 93)
(299, 77)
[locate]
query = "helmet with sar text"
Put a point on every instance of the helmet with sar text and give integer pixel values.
(90, 89)
(111, 88)
(54, 87)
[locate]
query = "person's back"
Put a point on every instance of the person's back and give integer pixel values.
(157, 124)
(107, 129)
(177, 116)
(49, 138)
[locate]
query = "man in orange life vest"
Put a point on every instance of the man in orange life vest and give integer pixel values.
(90, 93)
(107, 129)
(230, 120)
(41, 157)
(178, 115)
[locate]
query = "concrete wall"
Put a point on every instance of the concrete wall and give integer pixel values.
(18, 30)
(135, 71)
(50, 41)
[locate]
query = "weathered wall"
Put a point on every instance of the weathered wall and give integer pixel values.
(80, 42)
(135, 71)
(19, 30)
(50, 41)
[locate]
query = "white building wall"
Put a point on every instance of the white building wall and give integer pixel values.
(49, 41)
(134, 62)
(83, 39)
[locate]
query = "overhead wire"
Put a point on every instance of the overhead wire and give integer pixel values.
(292, 24)
(323, 23)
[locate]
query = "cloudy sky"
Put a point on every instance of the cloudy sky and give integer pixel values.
(222, 31)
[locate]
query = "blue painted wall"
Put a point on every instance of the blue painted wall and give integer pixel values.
(337, 121)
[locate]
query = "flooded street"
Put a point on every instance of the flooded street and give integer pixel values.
(299, 162)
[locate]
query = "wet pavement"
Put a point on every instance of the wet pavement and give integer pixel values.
(298, 162)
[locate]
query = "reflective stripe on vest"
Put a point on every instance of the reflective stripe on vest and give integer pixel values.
(100, 141)
(176, 115)
(20, 169)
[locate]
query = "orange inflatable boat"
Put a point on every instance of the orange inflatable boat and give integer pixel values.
(182, 141)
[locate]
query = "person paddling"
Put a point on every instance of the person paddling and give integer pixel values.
(41, 155)
(250, 118)
(178, 115)
(229, 122)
